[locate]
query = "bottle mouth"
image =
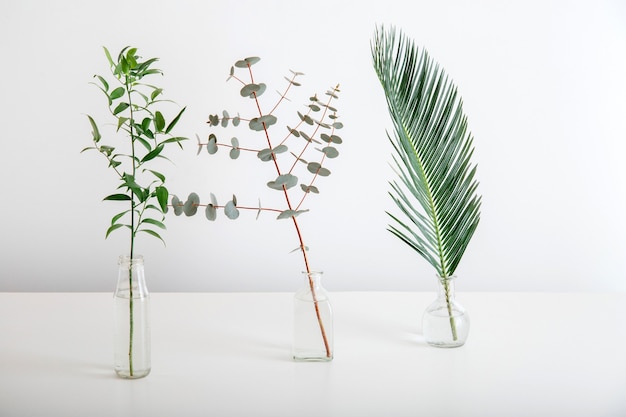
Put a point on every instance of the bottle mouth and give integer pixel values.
(123, 259)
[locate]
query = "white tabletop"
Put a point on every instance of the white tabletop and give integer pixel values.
(228, 354)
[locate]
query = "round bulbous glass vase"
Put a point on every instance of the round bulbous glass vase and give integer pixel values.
(445, 322)
(313, 321)
(132, 320)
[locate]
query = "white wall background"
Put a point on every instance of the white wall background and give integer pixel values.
(543, 85)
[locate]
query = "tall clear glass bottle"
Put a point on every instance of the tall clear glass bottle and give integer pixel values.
(445, 322)
(132, 320)
(313, 321)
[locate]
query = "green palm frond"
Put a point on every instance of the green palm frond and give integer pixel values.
(436, 189)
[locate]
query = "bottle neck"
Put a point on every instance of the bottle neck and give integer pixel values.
(445, 287)
(313, 278)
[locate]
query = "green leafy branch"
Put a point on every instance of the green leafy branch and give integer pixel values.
(132, 104)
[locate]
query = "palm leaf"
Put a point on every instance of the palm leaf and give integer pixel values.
(435, 190)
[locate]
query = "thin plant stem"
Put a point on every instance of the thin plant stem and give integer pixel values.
(131, 306)
(298, 232)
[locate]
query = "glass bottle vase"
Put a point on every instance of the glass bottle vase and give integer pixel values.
(132, 320)
(445, 322)
(313, 321)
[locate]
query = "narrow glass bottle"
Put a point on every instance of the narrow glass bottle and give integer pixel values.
(132, 320)
(313, 321)
(445, 322)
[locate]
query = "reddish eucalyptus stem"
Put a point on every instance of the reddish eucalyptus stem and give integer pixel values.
(298, 232)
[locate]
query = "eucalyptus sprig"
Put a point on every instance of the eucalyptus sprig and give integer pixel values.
(136, 110)
(299, 153)
(436, 191)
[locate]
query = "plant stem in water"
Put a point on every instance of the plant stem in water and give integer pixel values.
(446, 289)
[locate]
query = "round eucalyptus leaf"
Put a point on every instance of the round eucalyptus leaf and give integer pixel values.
(211, 212)
(290, 213)
(252, 90)
(305, 136)
(330, 152)
(275, 186)
(211, 146)
(324, 172)
(177, 205)
(314, 107)
(231, 211)
(236, 121)
(265, 154)
(294, 132)
(190, 207)
(259, 124)
(337, 125)
(235, 142)
(225, 118)
(326, 138)
(214, 120)
(310, 189)
(213, 199)
(234, 153)
(336, 139)
(313, 167)
(243, 63)
(286, 180)
(281, 149)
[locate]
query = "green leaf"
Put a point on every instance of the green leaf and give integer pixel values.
(153, 154)
(153, 233)
(105, 84)
(230, 210)
(159, 121)
(117, 93)
(117, 197)
(155, 93)
(120, 108)
(113, 228)
(162, 195)
(225, 118)
(175, 120)
(436, 190)
(153, 222)
(160, 176)
(95, 133)
(121, 121)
